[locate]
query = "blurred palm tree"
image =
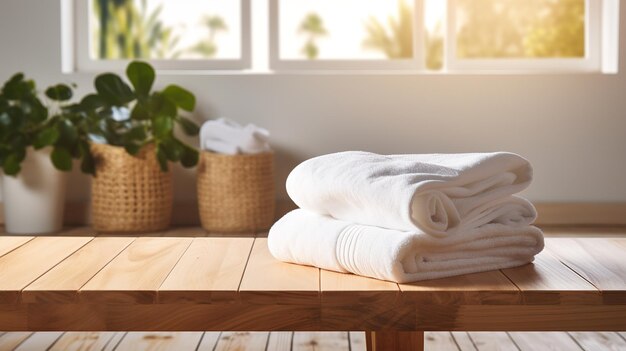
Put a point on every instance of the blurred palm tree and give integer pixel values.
(128, 31)
(313, 27)
(215, 24)
(396, 41)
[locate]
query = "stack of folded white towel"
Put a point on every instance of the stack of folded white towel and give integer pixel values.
(406, 218)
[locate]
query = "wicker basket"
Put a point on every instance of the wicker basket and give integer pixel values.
(129, 193)
(236, 193)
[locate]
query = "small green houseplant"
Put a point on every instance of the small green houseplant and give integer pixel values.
(32, 133)
(135, 129)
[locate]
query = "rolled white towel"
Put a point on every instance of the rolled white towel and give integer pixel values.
(229, 137)
(306, 238)
(438, 194)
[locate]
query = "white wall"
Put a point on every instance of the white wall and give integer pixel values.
(571, 127)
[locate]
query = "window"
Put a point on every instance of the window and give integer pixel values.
(437, 36)
(181, 34)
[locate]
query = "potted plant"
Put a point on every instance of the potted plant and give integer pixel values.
(32, 135)
(134, 132)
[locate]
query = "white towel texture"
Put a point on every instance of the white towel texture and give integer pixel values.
(228, 137)
(406, 218)
(307, 238)
(434, 193)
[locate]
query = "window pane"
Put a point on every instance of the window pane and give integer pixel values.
(520, 28)
(434, 28)
(345, 29)
(165, 29)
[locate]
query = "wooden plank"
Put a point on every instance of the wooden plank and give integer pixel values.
(210, 271)
(10, 243)
(159, 341)
(136, 274)
(340, 288)
(82, 341)
(280, 341)
(598, 260)
(9, 341)
(548, 281)
(357, 341)
(463, 341)
(321, 341)
(242, 341)
(492, 341)
(522, 317)
(439, 341)
(491, 287)
(61, 283)
(599, 341)
(209, 341)
(39, 341)
(115, 341)
(269, 281)
(581, 213)
(547, 341)
(393, 340)
(23, 265)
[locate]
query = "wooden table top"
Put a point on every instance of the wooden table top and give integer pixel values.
(180, 281)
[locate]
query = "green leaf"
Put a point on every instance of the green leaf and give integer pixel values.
(137, 134)
(87, 164)
(59, 92)
(141, 75)
(161, 158)
(112, 89)
(162, 106)
(162, 126)
(139, 112)
(91, 102)
(181, 97)
(132, 149)
(189, 127)
(68, 133)
(189, 157)
(61, 158)
(46, 137)
(11, 164)
(171, 149)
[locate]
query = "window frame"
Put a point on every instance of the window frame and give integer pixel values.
(80, 59)
(277, 64)
(592, 62)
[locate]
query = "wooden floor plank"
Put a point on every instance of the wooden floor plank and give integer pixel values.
(357, 341)
(25, 264)
(39, 341)
(326, 341)
(557, 341)
(61, 283)
(598, 260)
(605, 341)
(10, 243)
(463, 341)
(82, 341)
(280, 341)
(267, 280)
(242, 341)
(137, 341)
(491, 287)
(439, 341)
(487, 341)
(136, 274)
(9, 341)
(548, 281)
(209, 341)
(210, 271)
(115, 341)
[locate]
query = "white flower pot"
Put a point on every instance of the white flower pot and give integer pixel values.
(34, 199)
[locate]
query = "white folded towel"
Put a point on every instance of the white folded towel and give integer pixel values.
(226, 136)
(306, 238)
(437, 194)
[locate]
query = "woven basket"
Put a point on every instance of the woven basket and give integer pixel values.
(129, 193)
(236, 193)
